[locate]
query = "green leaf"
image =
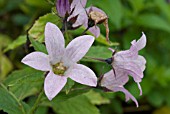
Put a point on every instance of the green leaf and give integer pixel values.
(97, 52)
(152, 21)
(38, 46)
(37, 31)
(5, 66)
(62, 96)
(4, 40)
(9, 103)
(70, 83)
(96, 98)
(24, 83)
(38, 3)
(18, 42)
(77, 105)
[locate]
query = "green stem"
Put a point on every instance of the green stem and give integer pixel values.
(20, 105)
(37, 102)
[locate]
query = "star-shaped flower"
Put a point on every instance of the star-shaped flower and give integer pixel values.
(126, 63)
(61, 62)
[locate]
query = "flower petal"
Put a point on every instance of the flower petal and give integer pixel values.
(95, 30)
(82, 74)
(77, 48)
(81, 19)
(116, 83)
(54, 41)
(80, 3)
(78, 6)
(127, 94)
(131, 68)
(62, 6)
(37, 60)
(139, 88)
(53, 84)
(110, 80)
(140, 44)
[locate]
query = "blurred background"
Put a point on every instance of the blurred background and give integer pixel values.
(127, 19)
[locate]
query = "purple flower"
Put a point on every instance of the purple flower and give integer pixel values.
(126, 63)
(90, 17)
(61, 61)
(63, 7)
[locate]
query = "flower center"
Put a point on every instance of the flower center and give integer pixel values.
(59, 69)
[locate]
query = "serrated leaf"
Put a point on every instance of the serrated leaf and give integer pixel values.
(38, 46)
(37, 31)
(152, 21)
(19, 41)
(96, 98)
(24, 83)
(77, 105)
(9, 103)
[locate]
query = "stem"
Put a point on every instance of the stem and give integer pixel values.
(98, 59)
(20, 105)
(35, 106)
(85, 30)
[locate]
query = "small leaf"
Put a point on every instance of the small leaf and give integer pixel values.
(77, 105)
(5, 66)
(96, 98)
(38, 46)
(70, 83)
(9, 103)
(24, 83)
(19, 41)
(37, 31)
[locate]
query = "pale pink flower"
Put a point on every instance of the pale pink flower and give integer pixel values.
(61, 61)
(78, 9)
(84, 19)
(126, 63)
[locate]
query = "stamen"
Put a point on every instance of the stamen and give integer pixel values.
(59, 69)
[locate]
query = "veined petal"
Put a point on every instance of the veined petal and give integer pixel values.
(82, 74)
(37, 60)
(78, 6)
(116, 83)
(79, 3)
(131, 68)
(128, 95)
(141, 61)
(110, 80)
(95, 30)
(77, 48)
(54, 41)
(81, 19)
(62, 6)
(53, 84)
(140, 44)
